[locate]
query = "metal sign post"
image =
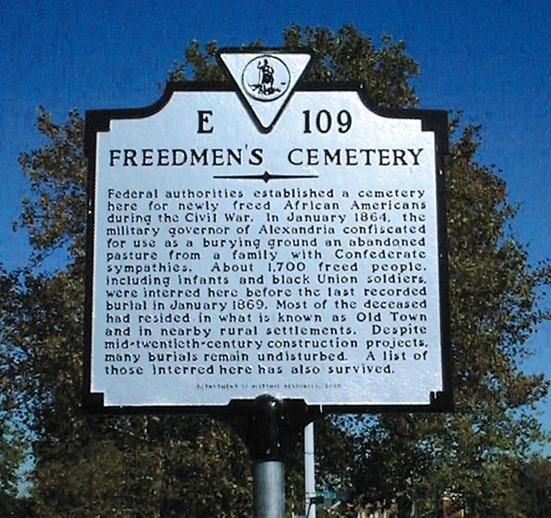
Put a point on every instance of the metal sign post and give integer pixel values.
(269, 426)
(268, 489)
(309, 471)
(268, 467)
(263, 249)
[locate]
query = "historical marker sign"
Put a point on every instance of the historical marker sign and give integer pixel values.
(266, 236)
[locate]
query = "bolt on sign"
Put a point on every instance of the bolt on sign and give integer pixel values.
(266, 236)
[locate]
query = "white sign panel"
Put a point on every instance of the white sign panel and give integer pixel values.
(240, 249)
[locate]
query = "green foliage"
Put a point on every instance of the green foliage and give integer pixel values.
(172, 466)
(474, 454)
(346, 56)
(199, 65)
(12, 444)
(55, 215)
(352, 57)
(143, 467)
(535, 481)
(85, 465)
(99, 466)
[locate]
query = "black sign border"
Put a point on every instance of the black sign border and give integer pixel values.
(436, 121)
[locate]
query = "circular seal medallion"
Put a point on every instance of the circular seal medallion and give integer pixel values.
(266, 78)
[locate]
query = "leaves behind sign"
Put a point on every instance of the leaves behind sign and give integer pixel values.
(136, 466)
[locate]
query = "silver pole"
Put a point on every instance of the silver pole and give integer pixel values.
(268, 489)
(309, 471)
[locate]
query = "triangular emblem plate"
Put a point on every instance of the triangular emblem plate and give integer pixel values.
(265, 79)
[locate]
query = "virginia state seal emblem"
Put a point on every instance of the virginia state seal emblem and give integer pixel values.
(266, 78)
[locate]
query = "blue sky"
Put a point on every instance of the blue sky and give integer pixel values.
(489, 59)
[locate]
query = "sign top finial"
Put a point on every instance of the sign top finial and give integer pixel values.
(265, 79)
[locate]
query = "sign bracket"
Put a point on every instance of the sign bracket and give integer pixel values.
(268, 427)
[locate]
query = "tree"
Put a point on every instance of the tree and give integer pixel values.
(12, 440)
(535, 480)
(474, 454)
(86, 465)
(119, 466)
(161, 465)
(385, 73)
